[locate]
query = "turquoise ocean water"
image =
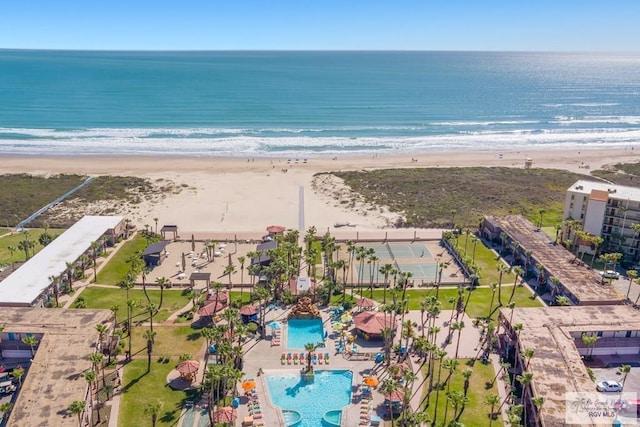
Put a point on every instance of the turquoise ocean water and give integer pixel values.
(286, 104)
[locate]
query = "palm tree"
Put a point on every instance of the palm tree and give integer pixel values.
(518, 273)
(387, 387)
(229, 270)
(525, 379)
(94, 256)
(32, 342)
(70, 268)
(155, 219)
(466, 374)
(631, 274)
(453, 213)
(386, 270)
(527, 355)
(456, 399)
(538, 401)
(55, 280)
(624, 371)
(309, 348)
(12, 250)
(130, 306)
(149, 336)
(77, 408)
(90, 377)
(458, 326)
(491, 400)
(501, 270)
(18, 373)
(493, 286)
(114, 309)
(96, 360)
(153, 410)
(590, 341)
(241, 260)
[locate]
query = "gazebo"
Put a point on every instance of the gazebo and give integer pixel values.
(169, 229)
(249, 313)
(275, 230)
(370, 324)
(211, 309)
(365, 304)
(155, 253)
(225, 415)
(188, 369)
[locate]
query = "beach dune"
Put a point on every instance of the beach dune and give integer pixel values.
(240, 194)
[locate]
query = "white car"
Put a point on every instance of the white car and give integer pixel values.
(609, 386)
(610, 274)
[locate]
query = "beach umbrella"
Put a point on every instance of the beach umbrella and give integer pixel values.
(275, 325)
(337, 326)
(226, 414)
(370, 381)
(248, 385)
(184, 262)
(188, 367)
(346, 318)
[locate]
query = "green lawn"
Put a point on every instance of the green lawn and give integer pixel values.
(105, 298)
(118, 267)
(169, 341)
(14, 240)
(475, 413)
(139, 388)
(478, 303)
(486, 259)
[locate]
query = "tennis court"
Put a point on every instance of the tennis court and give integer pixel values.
(425, 272)
(400, 251)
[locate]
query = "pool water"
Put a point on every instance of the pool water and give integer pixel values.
(330, 391)
(304, 331)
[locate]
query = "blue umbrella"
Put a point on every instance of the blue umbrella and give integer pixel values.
(275, 325)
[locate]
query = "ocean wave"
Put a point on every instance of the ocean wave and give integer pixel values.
(569, 120)
(130, 142)
(485, 123)
(583, 104)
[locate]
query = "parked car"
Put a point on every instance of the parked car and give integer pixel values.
(609, 386)
(610, 274)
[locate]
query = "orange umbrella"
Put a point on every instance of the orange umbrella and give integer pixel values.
(248, 385)
(370, 381)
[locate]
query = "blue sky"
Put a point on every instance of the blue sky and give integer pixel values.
(560, 25)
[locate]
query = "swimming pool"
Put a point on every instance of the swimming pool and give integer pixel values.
(304, 331)
(330, 391)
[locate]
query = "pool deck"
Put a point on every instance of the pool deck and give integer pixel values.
(263, 359)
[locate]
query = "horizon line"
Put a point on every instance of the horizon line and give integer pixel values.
(6, 49)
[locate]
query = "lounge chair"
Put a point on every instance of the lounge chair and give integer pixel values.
(295, 358)
(326, 358)
(315, 359)
(289, 359)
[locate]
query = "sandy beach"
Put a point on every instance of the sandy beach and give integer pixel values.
(240, 194)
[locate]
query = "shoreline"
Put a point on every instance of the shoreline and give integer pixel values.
(561, 158)
(241, 194)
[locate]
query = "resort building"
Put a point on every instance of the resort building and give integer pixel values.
(609, 211)
(54, 374)
(551, 263)
(31, 286)
(555, 336)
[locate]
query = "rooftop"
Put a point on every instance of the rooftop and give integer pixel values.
(31, 279)
(614, 191)
(557, 366)
(583, 282)
(54, 379)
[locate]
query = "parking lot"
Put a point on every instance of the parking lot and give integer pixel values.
(631, 385)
